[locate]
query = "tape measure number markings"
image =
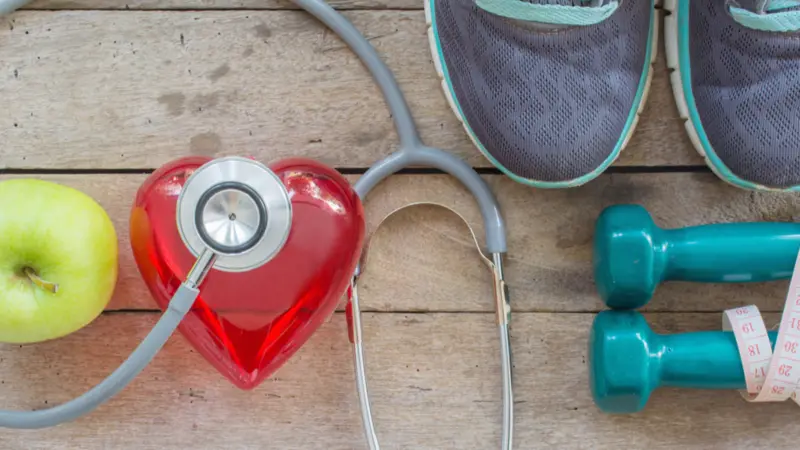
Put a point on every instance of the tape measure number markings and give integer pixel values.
(770, 375)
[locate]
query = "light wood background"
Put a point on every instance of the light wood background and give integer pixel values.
(97, 93)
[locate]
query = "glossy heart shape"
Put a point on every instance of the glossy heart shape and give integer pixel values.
(248, 324)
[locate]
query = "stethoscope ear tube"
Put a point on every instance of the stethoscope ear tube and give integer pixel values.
(503, 310)
(360, 367)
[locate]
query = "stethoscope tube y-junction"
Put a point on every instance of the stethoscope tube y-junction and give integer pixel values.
(413, 153)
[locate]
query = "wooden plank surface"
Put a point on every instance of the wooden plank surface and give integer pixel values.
(117, 89)
(232, 82)
(212, 4)
(428, 250)
(434, 384)
(216, 4)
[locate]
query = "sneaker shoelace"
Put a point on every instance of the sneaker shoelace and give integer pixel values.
(553, 12)
(767, 15)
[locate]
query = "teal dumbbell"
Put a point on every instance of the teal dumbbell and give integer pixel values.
(632, 255)
(627, 361)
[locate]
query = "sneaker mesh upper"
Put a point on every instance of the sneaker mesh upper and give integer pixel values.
(549, 105)
(746, 85)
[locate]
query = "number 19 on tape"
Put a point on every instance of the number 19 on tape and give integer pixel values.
(769, 376)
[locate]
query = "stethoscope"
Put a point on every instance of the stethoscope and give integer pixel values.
(259, 232)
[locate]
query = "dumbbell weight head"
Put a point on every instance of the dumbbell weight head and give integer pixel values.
(621, 372)
(627, 361)
(627, 269)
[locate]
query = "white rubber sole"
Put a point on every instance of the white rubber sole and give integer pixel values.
(450, 101)
(673, 62)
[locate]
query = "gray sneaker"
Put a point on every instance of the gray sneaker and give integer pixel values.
(737, 85)
(550, 91)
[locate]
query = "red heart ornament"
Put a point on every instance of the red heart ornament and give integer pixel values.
(248, 324)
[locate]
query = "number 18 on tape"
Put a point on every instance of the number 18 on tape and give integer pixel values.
(770, 376)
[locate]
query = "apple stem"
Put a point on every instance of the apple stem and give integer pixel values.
(46, 285)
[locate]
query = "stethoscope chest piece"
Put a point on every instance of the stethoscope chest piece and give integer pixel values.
(239, 209)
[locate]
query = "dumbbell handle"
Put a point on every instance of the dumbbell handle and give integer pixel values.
(701, 360)
(731, 252)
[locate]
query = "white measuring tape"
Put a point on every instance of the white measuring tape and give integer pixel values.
(771, 376)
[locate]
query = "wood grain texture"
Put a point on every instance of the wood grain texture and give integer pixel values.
(133, 89)
(423, 258)
(216, 4)
(116, 89)
(434, 385)
(212, 4)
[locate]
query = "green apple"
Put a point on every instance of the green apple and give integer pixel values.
(58, 260)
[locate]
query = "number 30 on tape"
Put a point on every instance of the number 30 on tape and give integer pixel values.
(769, 376)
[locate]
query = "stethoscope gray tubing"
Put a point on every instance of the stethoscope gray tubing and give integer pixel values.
(178, 307)
(412, 152)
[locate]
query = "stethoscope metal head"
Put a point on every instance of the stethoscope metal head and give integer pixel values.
(236, 208)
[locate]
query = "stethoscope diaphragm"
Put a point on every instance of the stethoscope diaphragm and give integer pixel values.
(239, 209)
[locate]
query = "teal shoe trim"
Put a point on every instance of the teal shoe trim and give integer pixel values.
(627, 130)
(788, 21)
(684, 66)
(777, 5)
(550, 14)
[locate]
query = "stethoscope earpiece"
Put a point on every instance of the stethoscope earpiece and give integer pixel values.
(237, 208)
